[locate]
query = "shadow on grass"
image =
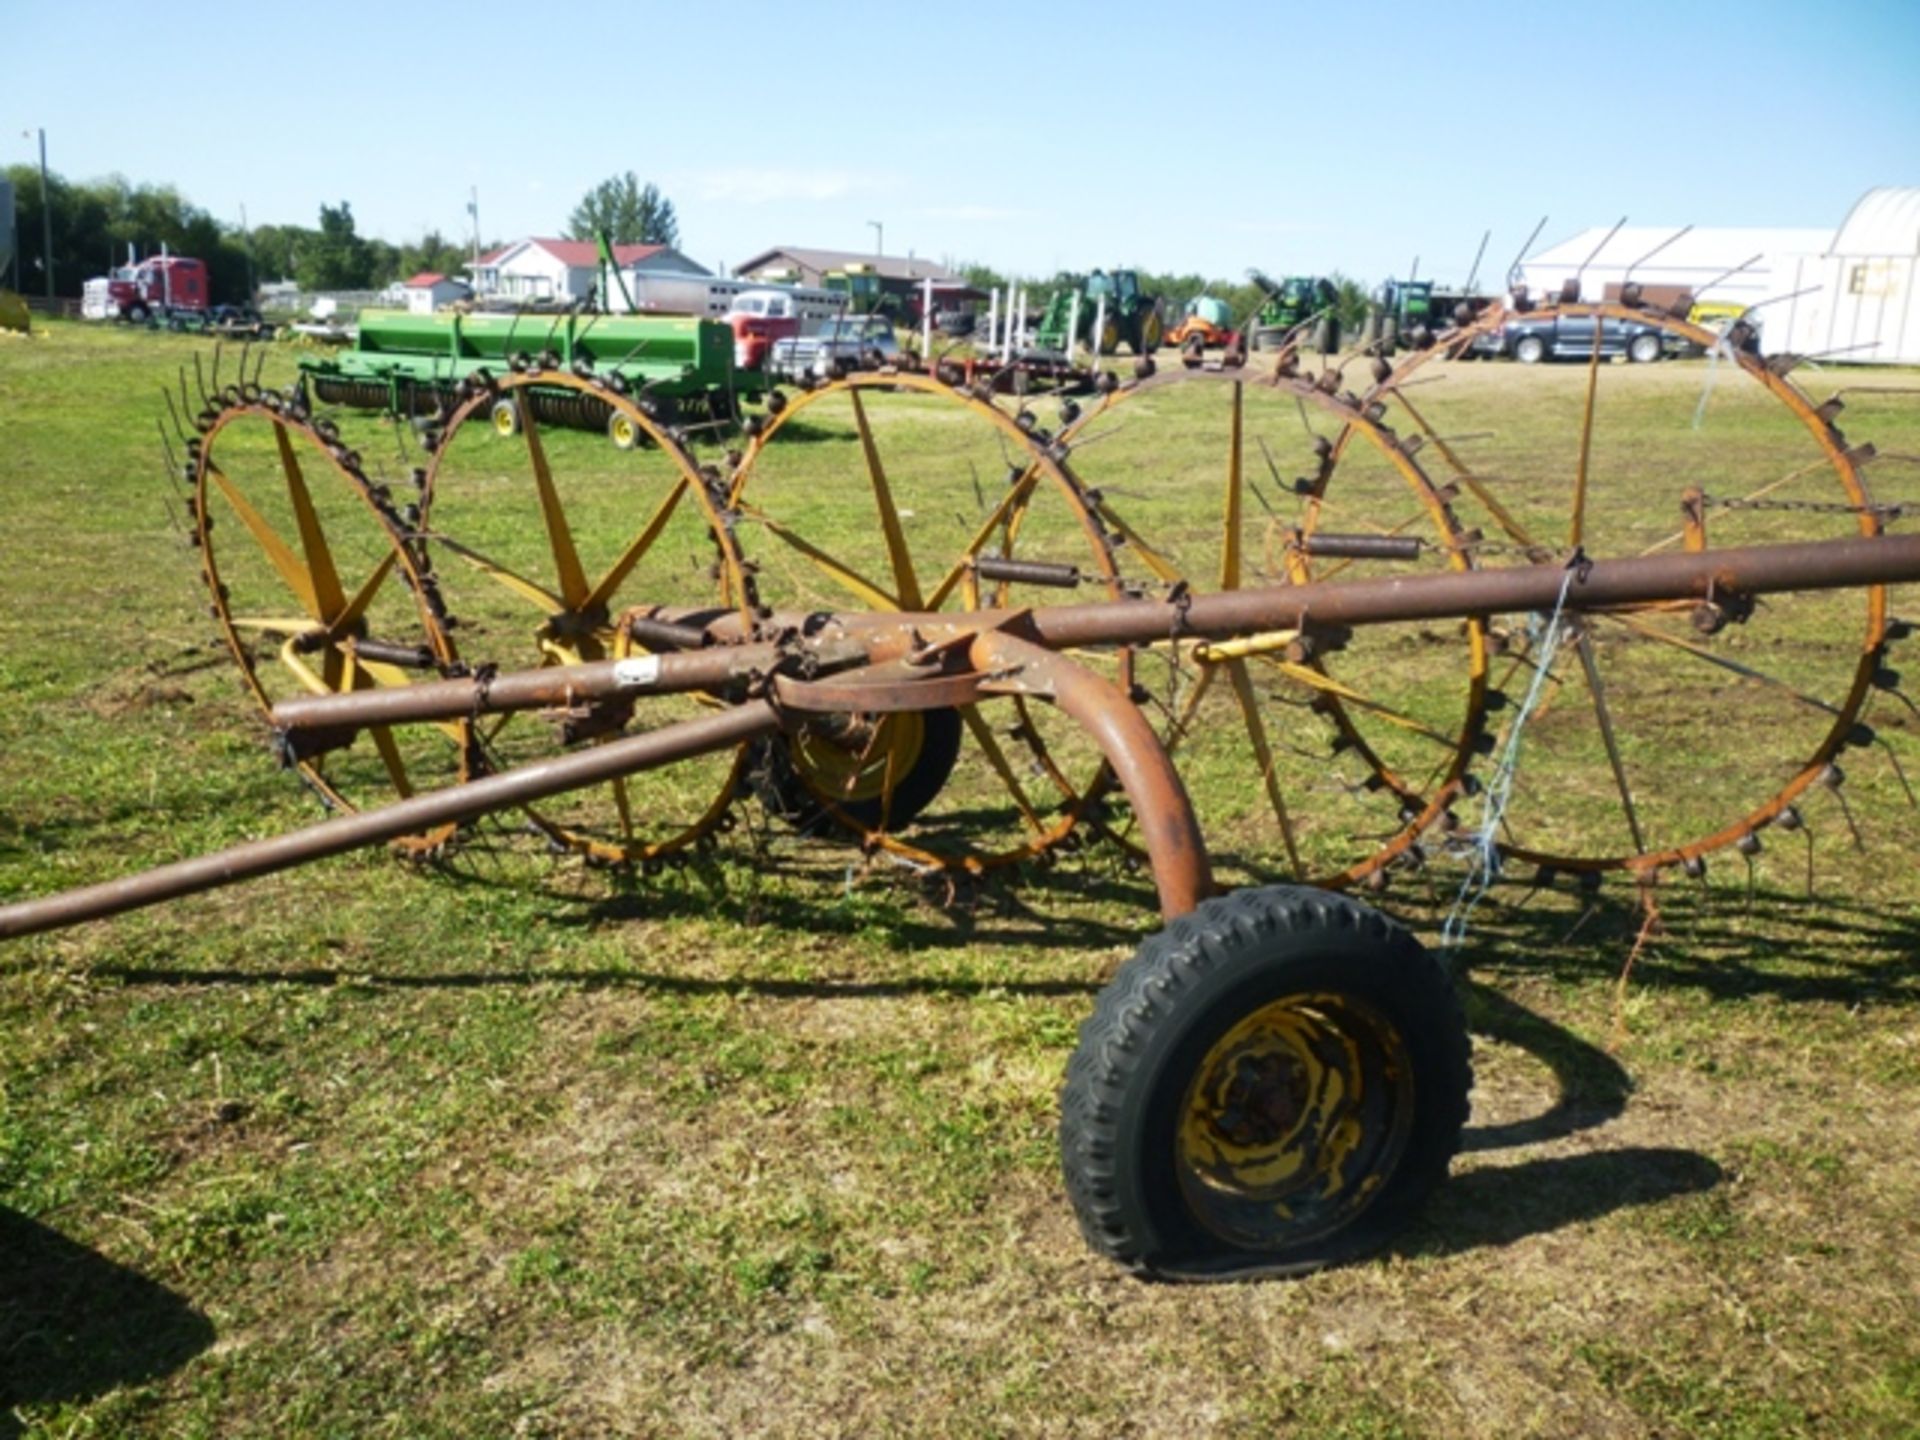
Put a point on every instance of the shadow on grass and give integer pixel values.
(1592, 1086)
(74, 1324)
(1499, 1205)
(818, 889)
(1719, 943)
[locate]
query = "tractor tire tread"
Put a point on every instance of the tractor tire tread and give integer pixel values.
(1172, 964)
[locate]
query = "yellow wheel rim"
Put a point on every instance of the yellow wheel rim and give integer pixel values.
(1294, 1120)
(864, 764)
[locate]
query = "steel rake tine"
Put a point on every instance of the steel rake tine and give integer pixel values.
(174, 414)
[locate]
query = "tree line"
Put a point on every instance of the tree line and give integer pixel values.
(95, 221)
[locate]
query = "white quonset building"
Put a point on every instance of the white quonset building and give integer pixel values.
(1858, 298)
(1720, 265)
(1852, 293)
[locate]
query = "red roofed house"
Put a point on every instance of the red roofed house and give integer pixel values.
(565, 270)
(428, 291)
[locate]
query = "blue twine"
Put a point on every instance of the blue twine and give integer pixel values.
(1484, 867)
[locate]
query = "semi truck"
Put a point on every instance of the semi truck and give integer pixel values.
(161, 286)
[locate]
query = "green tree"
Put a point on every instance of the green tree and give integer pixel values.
(337, 258)
(627, 212)
(433, 251)
(95, 224)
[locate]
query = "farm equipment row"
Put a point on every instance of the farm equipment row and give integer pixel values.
(1279, 1077)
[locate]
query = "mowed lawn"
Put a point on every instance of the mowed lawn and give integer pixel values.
(506, 1144)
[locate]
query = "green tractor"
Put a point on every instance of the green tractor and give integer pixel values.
(1131, 317)
(865, 294)
(1297, 303)
(1403, 307)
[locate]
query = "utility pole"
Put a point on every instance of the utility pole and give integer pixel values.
(879, 238)
(46, 213)
(246, 233)
(473, 209)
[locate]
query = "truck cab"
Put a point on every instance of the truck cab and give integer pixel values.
(758, 319)
(159, 286)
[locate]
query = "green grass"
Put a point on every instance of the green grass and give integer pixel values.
(765, 1143)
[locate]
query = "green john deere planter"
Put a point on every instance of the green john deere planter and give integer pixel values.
(406, 364)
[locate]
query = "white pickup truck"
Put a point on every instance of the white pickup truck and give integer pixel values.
(834, 347)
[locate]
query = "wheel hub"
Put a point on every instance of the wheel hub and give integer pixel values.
(1263, 1100)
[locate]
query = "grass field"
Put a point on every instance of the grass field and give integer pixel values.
(765, 1144)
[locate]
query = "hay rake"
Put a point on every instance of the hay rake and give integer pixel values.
(1279, 1077)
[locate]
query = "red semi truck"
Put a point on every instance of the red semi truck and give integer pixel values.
(160, 285)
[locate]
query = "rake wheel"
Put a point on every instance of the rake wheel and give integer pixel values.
(525, 568)
(320, 572)
(1411, 752)
(882, 555)
(1803, 688)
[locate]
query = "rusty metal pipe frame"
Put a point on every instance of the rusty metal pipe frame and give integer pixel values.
(719, 731)
(1000, 662)
(1598, 585)
(856, 638)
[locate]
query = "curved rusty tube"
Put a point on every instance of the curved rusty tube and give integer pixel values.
(1014, 666)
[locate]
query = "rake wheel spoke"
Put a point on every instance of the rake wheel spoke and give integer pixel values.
(286, 564)
(1263, 756)
(520, 585)
(906, 583)
(566, 558)
(617, 574)
(858, 585)
(1016, 496)
(984, 737)
(1583, 644)
(1723, 662)
(327, 594)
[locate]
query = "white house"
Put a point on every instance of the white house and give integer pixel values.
(567, 270)
(427, 292)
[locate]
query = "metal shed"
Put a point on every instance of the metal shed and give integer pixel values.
(1857, 299)
(1729, 265)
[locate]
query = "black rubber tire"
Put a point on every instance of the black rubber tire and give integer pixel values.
(1323, 338)
(786, 795)
(1529, 349)
(1644, 349)
(1183, 990)
(1389, 334)
(1269, 337)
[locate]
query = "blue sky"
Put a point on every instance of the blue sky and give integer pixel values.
(1177, 136)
